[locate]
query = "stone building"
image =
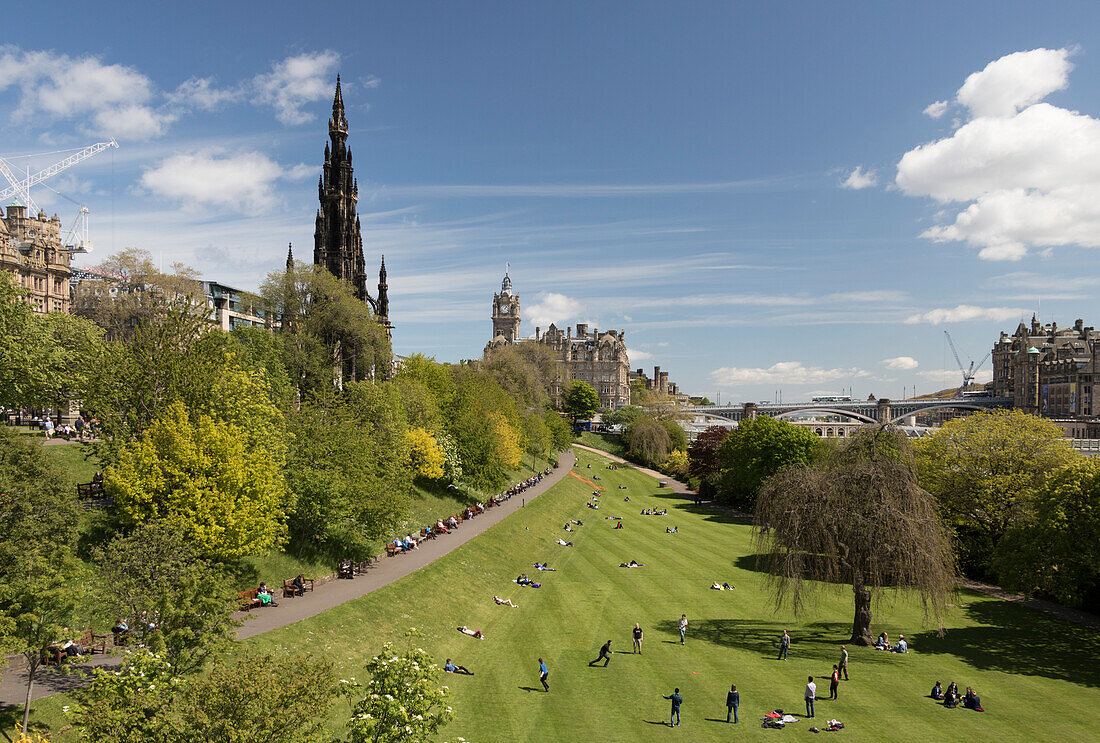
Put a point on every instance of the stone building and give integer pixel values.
(30, 247)
(599, 359)
(1048, 370)
(659, 383)
(338, 240)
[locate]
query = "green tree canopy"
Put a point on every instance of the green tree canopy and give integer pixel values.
(647, 441)
(580, 400)
(757, 449)
(704, 463)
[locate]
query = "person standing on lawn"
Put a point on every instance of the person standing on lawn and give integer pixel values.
(844, 661)
(683, 627)
(784, 645)
(733, 701)
(834, 684)
(811, 693)
(605, 655)
(637, 637)
(677, 700)
(543, 675)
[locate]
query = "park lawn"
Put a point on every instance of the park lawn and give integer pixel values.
(1038, 676)
(75, 459)
(608, 442)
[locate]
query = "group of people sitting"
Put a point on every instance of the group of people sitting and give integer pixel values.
(406, 543)
(723, 587)
(951, 698)
(883, 643)
(655, 512)
(521, 486)
(523, 580)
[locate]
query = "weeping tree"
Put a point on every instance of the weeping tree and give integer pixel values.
(859, 518)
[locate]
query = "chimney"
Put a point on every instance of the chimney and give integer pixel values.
(582, 329)
(538, 332)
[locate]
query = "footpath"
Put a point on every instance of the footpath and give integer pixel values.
(381, 572)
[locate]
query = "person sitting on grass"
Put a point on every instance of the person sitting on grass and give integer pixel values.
(883, 642)
(901, 647)
(951, 696)
(523, 580)
(618, 525)
(972, 701)
(673, 530)
(937, 692)
(471, 632)
(593, 506)
(563, 543)
(450, 667)
(504, 602)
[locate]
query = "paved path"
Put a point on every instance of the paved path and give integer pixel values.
(13, 681)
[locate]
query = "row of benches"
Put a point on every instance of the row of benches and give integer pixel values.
(392, 549)
(249, 600)
(89, 642)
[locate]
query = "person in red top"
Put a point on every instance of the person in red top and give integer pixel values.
(834, 683)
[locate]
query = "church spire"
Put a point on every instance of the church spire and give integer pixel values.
(338, 107)
(289, 256)
(383, 306)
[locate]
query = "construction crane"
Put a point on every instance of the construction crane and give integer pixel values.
(967, 372)
(76, 239)
(22, 188)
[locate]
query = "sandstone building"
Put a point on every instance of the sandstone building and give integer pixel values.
(1048, 370)
(599, 359)
(30, 247)
(338, 241)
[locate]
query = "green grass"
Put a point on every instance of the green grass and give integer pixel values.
(74, 458)
(607, 442)
(1039, 677)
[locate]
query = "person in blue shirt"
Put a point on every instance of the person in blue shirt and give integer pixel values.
(543, 675)
(450, 667)
(902, 646)
(677, 700)
(733, 701)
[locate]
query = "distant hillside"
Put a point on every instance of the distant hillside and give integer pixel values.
(950, 392)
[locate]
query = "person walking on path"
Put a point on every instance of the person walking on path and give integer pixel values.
(733, 701)
(683, 627)
(844, 661)
(811, 693)
(605, 655)
(677, 700)
(637, 638)
(834, 683)
(784, 645)
(543, 675)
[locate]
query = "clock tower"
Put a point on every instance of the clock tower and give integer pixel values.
(506, 312)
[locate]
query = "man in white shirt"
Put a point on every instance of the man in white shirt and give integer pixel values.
(811, 693)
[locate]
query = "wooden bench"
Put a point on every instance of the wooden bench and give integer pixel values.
(345, 570)
(290, 590)
(248, 600)
(91, 642)
(89, 489)
(391, 549)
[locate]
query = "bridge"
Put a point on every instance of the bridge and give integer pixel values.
(867, 411)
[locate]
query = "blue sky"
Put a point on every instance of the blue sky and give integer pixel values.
(686, 172)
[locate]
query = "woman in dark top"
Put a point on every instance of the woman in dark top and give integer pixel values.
(937, 691)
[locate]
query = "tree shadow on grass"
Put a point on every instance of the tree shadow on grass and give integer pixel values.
(678, 502)
(818, 641)
(1015, 639)
(755, 564)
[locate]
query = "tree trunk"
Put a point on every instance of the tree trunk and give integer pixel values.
(861, 624)
(31, 668)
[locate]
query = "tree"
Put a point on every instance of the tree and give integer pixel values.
(507, 441)
(155, 574)
(426, 459)
(677, 437)
(757, 449)
(580, 400)
(647, 441)
(860, 519)
(983, 468)
(526, 371)
(704, 463)
(561, 435)
(676, 464)
(203, 476)
(404, 701)
(1053, 549)
(622, 416)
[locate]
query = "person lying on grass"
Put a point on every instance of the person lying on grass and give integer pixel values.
(575, 521)
(450, 667)
(543, 566)
(568, 527)
(632, 564)
(615, 518)
(563, 543)
(723, 587)
(471, 632)
(504, 602)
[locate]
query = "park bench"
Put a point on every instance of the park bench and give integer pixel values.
(89, 489)
(91, 642)
(391, 549)
(345, 570)
(248, 600)
(425, 534)
(290, 590)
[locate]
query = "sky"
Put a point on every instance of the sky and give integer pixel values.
(792, 199)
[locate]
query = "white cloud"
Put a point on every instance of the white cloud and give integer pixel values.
(954, 376)
(552, 308)
(784, 372)
(1030, 178)
(295, 82)
(201, 94)
(242, 181)
(107, 99)
(860, 178)
(901, 363)
(935, 110)
(301, 171)
(637, 355)
(1015, 81)
(965, 313)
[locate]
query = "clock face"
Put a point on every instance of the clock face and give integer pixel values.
(505, 307)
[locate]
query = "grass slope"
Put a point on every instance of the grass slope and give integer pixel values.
(1038, 676)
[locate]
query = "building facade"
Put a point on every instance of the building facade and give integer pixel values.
(589, 356)
(337, 237)
(1048, 370)
(30, 248)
